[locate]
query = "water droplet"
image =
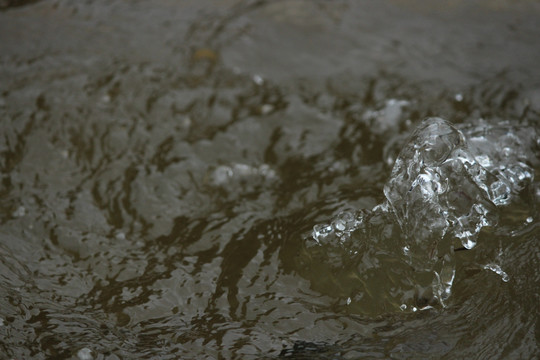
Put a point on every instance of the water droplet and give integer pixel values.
(403, 307)
(529, 219)
(458, 97)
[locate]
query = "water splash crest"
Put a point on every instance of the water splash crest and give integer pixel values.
(446, 185)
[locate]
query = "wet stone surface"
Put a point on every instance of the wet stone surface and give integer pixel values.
(257, 180)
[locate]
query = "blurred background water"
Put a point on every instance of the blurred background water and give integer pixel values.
(163, 165)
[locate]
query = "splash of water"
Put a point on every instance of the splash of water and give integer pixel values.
(447, 184)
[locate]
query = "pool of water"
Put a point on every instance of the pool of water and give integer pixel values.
(192, 180)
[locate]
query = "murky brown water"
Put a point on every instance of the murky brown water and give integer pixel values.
(163, 164)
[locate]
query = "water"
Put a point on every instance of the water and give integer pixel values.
(232, 181)
(442, 190)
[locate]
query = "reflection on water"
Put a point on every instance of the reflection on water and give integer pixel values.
(163, 166)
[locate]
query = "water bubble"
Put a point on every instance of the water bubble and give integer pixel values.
(403, 307)
(458, 97)
(529, 220)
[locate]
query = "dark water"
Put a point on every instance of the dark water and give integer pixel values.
(163, 165)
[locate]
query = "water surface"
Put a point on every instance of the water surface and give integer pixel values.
(163, 165)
